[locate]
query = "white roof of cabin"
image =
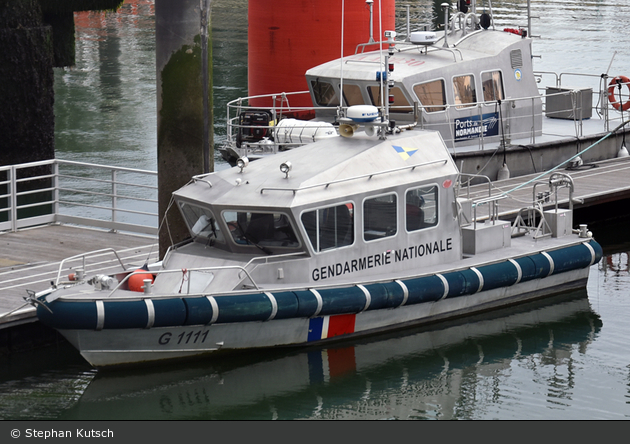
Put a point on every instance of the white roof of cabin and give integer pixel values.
(334, 159)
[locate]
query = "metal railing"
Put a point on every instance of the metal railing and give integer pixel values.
(84, 194)
(516, 125)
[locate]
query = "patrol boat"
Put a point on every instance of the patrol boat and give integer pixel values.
(333, 240)
(472, 81)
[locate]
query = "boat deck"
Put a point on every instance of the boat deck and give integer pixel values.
(29, 259)
(594, 184)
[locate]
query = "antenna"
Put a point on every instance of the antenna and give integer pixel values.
(385, 115)
(343, 9)
(370, 4)
(445, 7)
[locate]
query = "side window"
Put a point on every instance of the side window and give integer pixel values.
(264, 229)
(324, 93)
(432, 95)
(201, 222)
(380, 217)
(400, 104)
(352, 95)
(492, 83)
(464, 91)
(421, 206)
(331, 227)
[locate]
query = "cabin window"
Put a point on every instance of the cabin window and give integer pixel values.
(432, 95)
(464, 91)
(421, 209)
(324, 93)
(201, 222)
(492, 83)
(260, 229)
(380, 217)
(352, 95)
(400, 104)
(330, 227)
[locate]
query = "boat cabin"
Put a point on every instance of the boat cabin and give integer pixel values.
(332, 211)
(450, 86)
(474, 85)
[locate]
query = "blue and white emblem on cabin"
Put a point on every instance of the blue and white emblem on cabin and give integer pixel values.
(405, 153)
(518, 75)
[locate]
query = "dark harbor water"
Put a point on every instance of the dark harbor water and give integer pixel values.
(564, 358)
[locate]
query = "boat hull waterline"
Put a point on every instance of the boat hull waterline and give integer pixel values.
(178, 327)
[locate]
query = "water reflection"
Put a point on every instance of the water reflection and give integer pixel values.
(105, 106)
(440, 373)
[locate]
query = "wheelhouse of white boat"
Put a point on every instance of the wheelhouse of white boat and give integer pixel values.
(464, 90)
(329, 212)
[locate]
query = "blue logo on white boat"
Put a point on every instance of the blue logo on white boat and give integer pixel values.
(405, 153)
(518, 75)
(473, 126)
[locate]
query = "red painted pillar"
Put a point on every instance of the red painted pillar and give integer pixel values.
(287, 37)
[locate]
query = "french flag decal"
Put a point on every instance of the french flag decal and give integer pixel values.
(330, 326)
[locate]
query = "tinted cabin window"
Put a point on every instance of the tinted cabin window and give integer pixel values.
(324, 93)
(464, 91)
(201, 222)
(492, 83)
(431, 95)
(400, 104)
(331, 227)
(421, 206)
(264, 229)
(379, 217)
(352, 95)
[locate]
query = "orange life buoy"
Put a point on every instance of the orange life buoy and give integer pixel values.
(614, 83)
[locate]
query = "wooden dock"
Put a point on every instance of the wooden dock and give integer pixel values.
(594, 184)
(29, 259)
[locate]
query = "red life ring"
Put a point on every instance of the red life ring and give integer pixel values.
(614, 83)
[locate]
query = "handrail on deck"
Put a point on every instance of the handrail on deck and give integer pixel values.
(426, 118)
(362, 176)
(83, 257)
(188, 271)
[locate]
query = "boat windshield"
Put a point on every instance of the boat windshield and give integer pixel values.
(201, 222)
(261, 229)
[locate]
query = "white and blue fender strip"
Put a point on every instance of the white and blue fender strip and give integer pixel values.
(331, 311)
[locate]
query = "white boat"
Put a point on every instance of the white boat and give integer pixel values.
(415, 358)
(341, 238)
(474, 83)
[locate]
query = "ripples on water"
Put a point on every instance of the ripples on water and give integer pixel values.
(563, 359)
